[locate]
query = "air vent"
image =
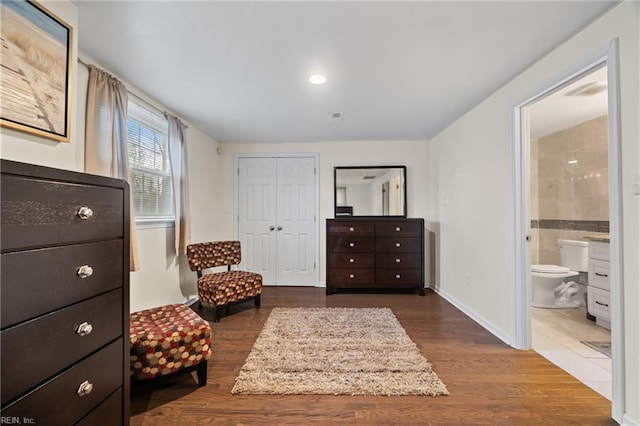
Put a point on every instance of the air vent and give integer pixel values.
(335, 117)
(588, 89)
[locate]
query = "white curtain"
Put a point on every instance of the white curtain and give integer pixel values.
(180, 175)
(106, 137)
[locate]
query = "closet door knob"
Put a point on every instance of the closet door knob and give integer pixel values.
(271, 228)
(85, 213)
(279, 228)
(85, 271)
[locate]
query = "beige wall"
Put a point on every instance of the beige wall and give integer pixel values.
(569, 191)
(331, 154)
(474, 196)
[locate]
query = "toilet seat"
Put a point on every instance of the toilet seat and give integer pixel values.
(552, 271)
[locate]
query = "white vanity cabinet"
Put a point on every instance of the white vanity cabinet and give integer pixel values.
(598, 291)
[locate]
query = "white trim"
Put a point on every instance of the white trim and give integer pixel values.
(316, 160)
(470, 313)
(608, 56)
(628, 421)
(615, 233)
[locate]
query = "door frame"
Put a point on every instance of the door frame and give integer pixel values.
(609, 57)
(316, 161)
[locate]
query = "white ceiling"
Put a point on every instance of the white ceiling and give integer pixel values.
(396, 70)
(559, 111)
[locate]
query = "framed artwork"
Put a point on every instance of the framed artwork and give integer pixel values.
(36, 70)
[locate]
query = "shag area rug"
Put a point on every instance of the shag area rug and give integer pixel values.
(336, 351)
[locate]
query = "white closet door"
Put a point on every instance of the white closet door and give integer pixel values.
(296, 206)
(276, 218)
(257, 216)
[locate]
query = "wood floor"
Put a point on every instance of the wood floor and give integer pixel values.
(489, 383)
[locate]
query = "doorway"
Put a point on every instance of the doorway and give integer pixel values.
(277, 217)
(523, 319)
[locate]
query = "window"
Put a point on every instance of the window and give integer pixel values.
(151, 186)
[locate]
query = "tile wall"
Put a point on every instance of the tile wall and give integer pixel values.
(569, 187)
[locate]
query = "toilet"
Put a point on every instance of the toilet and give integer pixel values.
(551, 285)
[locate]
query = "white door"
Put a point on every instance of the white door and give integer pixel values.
(257, 216)
(276, 218)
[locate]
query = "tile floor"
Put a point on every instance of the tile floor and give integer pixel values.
(556, 335)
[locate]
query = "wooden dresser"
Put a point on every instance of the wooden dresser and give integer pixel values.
(65, 297)
(375, 253)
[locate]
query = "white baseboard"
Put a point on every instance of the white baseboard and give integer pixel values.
(468, 312)
(628, 421)
(190, 300)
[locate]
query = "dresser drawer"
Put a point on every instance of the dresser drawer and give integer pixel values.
(353, 277)
(399, 260)
(108, 413)
(37, 213)
(58, 402)
(356, 260)
(350, 244)
(599, 303)
(350, 228)
(599, 274)
(406, 228)
(38, 349)
(49, 278)
(399, 245)
(399, 277)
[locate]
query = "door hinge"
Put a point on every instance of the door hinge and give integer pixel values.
(314, 265)
(238, 170)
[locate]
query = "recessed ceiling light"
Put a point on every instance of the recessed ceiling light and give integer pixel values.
(317, 79)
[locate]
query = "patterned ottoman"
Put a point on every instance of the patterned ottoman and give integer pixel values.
(168, 339)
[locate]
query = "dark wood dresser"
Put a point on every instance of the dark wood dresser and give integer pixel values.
(65, 297)
(375, 253)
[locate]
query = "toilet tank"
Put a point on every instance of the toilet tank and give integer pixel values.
(574, 254)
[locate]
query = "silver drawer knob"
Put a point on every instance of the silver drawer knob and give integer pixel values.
(351, 260)
(85, 271)
(397, 260)
(351, 229)
(352, 245)
(397, 244)
(85, 388)
(397, 229)
(85, 213)
(351, 276)
(398, 276)
(84, 329)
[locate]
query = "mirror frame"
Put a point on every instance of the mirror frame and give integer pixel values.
(335, 190)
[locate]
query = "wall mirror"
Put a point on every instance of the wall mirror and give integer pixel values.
(370, 191)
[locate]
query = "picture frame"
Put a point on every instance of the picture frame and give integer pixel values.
(36, 77)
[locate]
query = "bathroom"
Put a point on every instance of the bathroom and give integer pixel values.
(569, 212)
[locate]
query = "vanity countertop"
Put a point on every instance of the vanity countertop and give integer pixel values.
(600, 239)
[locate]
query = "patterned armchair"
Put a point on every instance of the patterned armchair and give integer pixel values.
(222, 289)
